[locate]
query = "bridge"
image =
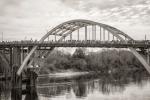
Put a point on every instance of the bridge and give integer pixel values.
(73, 43)
(74, 33)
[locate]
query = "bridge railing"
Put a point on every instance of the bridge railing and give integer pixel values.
(74, 42)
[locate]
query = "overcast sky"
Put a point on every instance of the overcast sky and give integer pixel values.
(20, 19)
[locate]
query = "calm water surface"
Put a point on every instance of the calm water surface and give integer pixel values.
(129, 86)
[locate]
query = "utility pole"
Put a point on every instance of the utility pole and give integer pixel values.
(145, 37)
(25, 38)
(2, 36)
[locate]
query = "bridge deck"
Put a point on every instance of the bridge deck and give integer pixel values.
(76, 44)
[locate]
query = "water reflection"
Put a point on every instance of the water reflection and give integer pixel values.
(16, 94)
(80, 89)
(8, 93)
(5, 90)
(86, 87)
(82, 86)
(31, 94)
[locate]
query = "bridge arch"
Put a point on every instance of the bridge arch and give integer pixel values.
(73, 25)
(66, 28)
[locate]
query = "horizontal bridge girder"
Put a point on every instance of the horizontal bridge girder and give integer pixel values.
(77, 44)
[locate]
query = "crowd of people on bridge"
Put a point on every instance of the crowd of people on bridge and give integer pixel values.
(78, 41)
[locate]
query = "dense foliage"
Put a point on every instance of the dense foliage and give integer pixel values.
(104, 61)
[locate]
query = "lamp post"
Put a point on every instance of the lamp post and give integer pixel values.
(2, 36)
(145, 37)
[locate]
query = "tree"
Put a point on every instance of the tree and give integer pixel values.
(79, 53)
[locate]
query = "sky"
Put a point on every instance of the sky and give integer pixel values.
(26, 19)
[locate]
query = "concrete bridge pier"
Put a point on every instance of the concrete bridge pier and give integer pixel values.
(17, 55)
(16, 62)
(16, 91)
(148, 56)
(16, 81)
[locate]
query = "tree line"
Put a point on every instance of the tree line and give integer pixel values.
(103, 61)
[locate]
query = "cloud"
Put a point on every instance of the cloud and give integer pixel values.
(130, 11)
(32, 18)
(101, 4)
(6, 5)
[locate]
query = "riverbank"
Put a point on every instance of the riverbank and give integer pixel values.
(64, 74)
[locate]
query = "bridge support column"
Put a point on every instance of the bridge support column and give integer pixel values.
(148, 56)
(78, 34)
(94, 32)
(22, 55)
(16, 91)
(15, 79)
(71, 36)
(100, 34)
(55, 38)
(16, 56)
(108, 36)
(10, 58)
(85, 33)
(103, 34)
(48, 38)
(113, 37)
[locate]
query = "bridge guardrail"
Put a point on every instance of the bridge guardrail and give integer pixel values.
(3, 43)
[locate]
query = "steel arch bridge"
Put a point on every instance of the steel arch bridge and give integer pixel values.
(85, 30)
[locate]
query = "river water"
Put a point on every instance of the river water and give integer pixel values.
(125, 86)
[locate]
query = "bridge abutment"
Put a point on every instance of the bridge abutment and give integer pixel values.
(17, 55)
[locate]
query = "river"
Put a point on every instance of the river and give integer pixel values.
(127, 86)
